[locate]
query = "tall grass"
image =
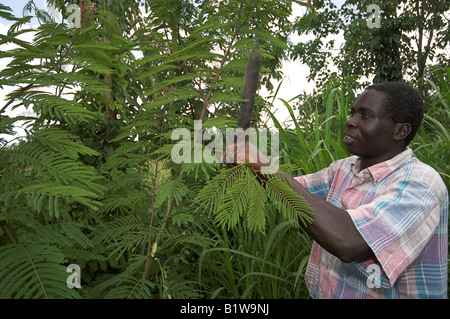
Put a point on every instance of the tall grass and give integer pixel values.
(432, 143)
(246, 264)
(316, 140)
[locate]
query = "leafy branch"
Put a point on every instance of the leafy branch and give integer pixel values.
(238, 192)
(58, 62)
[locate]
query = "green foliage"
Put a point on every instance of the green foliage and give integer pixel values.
(92, 182)
(315, 140)
(269, 264)
(432, 142)
(238, 194)
(33, 271)
(411, 36)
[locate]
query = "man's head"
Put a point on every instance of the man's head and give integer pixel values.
(404, 103)
(384, 119)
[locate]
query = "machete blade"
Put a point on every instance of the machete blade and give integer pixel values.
(251, 80)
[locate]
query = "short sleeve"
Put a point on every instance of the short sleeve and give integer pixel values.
(398, 224)
(318, 183)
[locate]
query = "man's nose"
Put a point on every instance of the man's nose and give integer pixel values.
(351, 122)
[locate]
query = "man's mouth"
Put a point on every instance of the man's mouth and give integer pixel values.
(348, 138)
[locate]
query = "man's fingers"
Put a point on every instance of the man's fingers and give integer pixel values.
(240, 153)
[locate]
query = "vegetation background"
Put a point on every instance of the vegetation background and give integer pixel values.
(92, 182)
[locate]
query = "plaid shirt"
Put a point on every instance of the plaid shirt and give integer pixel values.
(400, 207)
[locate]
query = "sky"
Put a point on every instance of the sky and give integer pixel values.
(17, 7)
(294, 81)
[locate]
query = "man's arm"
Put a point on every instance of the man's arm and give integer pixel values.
(332, 227)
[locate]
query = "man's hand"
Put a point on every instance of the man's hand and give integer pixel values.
(245, 152)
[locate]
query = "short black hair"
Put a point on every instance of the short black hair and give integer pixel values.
(405, 104)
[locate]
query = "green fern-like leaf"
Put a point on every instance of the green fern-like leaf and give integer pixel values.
(291, 205)
(256, 214)
(236, 194)
(57, 108)
(63, 142)
(51, 156)
(63, 234)
(111, 231)
(210, 197)
(126, 285)
(174, 188)
(33, 271)
(235, 202)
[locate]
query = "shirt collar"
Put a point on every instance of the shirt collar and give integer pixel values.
(383, 169)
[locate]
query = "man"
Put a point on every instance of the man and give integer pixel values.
(380, 217)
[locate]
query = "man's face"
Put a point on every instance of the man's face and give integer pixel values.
(370, 130)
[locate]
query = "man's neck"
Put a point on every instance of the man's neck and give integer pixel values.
(368, 162)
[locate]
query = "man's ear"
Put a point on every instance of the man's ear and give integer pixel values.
(402, 130)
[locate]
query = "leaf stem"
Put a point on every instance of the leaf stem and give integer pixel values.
(7, 230)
